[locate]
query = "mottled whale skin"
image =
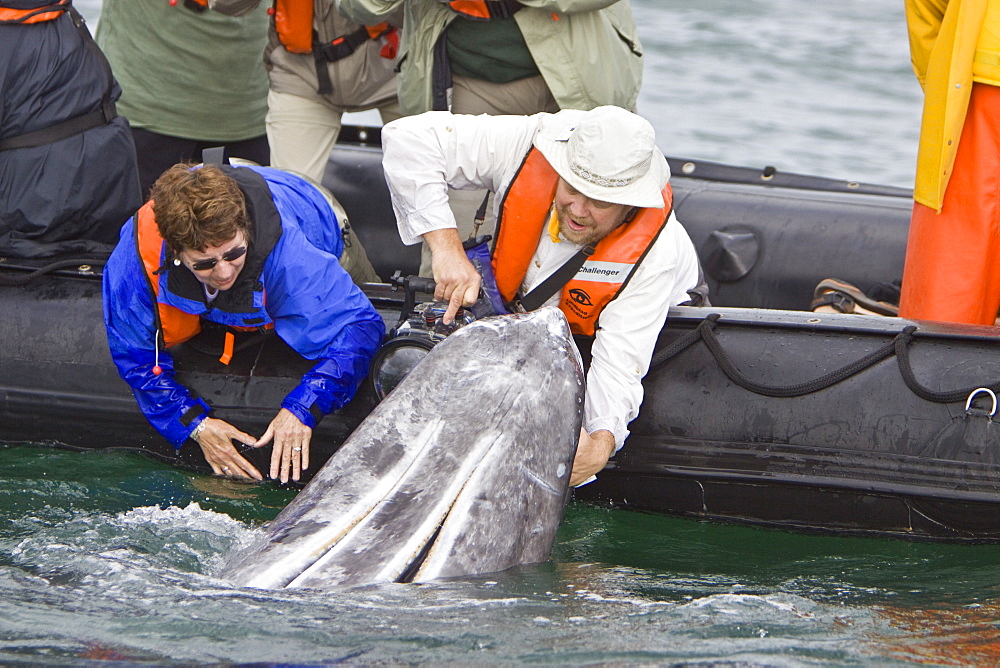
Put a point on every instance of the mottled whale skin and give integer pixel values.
(462, 470)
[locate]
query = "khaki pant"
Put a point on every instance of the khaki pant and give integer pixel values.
(476, 96)
(302, 131)
(353, 259)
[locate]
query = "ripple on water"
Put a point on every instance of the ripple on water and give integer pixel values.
(101, 578)
(139, 585)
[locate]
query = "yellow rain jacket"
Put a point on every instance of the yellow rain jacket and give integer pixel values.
(944, 37)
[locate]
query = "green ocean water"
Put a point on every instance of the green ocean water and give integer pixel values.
(112, 556)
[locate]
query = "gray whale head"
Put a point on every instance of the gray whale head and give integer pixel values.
(463, 468)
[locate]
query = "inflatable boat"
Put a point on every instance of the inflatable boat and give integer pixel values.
(758, 409)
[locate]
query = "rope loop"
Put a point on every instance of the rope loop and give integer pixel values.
(981, 390)
(899, 346)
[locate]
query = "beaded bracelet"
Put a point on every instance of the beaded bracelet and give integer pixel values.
(197, 430)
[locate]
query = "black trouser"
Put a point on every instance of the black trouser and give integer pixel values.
(158, 153)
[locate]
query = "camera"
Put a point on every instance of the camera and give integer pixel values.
(420, 327)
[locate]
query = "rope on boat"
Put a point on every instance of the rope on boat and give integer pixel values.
(943, 397)
(899, 346)
(22, 279)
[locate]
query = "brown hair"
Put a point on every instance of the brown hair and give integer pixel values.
(198, 207)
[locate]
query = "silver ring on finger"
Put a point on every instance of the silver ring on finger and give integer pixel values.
(296, 449)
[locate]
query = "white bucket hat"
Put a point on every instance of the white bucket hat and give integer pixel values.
(608, 154)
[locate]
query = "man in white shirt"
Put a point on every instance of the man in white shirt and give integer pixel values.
(565, 182)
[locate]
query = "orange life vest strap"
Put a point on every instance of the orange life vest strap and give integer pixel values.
(37, 15)
(176, 325)
(582, 301)
(227, 348)
(474, 8)
(376, 31)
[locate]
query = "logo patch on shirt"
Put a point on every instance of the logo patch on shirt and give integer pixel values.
(580, 297)
(579, 302)
(604, 272)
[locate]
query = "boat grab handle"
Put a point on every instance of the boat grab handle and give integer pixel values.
(993, 396)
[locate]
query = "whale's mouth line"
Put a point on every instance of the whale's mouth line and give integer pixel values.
(413, 567)
(412, 570)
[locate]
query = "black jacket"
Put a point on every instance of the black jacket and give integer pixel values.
(68, 196)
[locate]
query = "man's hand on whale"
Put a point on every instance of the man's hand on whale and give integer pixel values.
(592, 453)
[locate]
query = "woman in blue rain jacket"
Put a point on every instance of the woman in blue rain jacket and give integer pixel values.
(246, 247)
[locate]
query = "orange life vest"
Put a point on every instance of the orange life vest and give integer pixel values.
(36, 15)
(175, 325)
(293, 21)
(523, 215)
(485, 9)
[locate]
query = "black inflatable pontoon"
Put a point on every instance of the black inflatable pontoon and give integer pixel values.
(757, 410)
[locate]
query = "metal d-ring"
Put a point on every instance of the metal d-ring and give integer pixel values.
(993, 396)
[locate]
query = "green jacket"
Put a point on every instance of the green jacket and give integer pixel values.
(194, 75)
(588, 51)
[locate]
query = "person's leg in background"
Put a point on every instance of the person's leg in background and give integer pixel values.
(301, 132)
(157, 153)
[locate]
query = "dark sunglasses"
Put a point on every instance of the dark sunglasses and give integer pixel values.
(228, 256)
